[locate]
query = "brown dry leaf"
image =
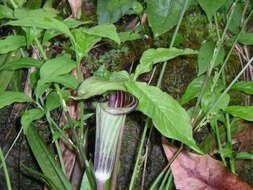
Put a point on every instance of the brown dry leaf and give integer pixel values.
(201, 172)
(75, 7)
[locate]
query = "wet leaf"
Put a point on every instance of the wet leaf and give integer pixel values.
(193, 171)
(243, 112)
(153, 56)
(170, 119)
(163, 14)
(29, 116)
(205, 55)
(211, 7)
(11, 43)
(9, 97)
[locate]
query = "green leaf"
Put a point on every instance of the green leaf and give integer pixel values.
(167, 115)
(105, 31)
(205, 56)
(84, 41)
(57, 66)
(153, 56)
(43, 12)
(46, 160)
(97, 86)
(66, 80)
(211, 7)
(246, 38)
(209, 99)
(29, 116)
(244, 155)
(192, 90)
(163, 14)
(53, 100)
(42, 22)
(9, 97)
(129, 36)
(110, 11)
(5, 12)
(26, 62)
(11, 43)
(244, 86)
(235, 23)
(243, 112)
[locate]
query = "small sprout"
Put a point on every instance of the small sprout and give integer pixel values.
(110, 120)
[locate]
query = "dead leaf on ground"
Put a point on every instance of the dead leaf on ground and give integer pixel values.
(201, 172)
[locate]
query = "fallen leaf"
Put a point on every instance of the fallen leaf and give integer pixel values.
(75, 6)
(201, 172)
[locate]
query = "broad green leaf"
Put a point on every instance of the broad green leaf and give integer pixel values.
(29, 116)
(5, 12)
(243, 112)
(110, 11)
(53, 100)
(7, 76)
(46, 161)
(244, 155)
(153, 56)
(167, 115)
(192, 90)
(9, 97)
(26, 62)
(97, 86)
(129, 36)
(211, 7)
(42, 22)
(205, 56)
(85, 185)
(246, 38)
(11, 43)
(209, 99)
(84, 41)
(244, 86)
(66, 80)
(57, 66)
(105, 31)
(43, 12)
(235, 23)
(163, 14)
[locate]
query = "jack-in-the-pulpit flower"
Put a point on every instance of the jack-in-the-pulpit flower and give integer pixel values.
(110, 120)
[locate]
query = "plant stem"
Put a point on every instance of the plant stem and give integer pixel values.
(8, 183)
(172, 42)
(43, 53)
(139, 155)
(15, 6)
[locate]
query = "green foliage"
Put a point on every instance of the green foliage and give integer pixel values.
(21, 63)
(9, 97)
(110, 11)
(170, 119)
(11, 43)
(46, 160)
(243, 112)
(244, 155)
(246, 38)
(163, 14)
(211, 7)
(5, 12)
(205, 56)
(244, 86)
(29, 116)
(153, 56)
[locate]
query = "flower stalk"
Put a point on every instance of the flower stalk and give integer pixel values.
(110, 120)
